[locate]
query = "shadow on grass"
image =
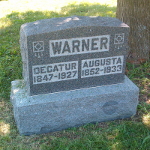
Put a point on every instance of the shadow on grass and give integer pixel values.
(84, 9)
(10, 59)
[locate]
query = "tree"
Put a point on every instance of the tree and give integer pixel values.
(136, 13)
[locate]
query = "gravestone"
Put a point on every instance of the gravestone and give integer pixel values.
(62, 54)
(74, 73)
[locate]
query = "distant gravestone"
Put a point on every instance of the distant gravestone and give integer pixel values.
(66, 63)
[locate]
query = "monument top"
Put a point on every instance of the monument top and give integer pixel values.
(56, 24)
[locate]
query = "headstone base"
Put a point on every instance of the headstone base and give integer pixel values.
(57, 111)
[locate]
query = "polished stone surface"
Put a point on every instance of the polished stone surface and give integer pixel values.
(61, 54)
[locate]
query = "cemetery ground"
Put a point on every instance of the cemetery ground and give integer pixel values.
(132, 133)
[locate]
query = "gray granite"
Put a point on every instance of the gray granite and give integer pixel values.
(63, 23)
(62, 54)
(74, 74)
(57, 111)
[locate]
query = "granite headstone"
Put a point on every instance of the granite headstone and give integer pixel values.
(74, 73)
(62, 54)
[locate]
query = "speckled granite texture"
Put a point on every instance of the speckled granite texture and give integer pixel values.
(57, 111)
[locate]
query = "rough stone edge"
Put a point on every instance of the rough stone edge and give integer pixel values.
(25, 101)
(63, 23)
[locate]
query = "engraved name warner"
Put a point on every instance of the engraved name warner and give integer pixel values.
(82, 45)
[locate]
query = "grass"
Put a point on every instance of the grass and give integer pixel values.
(132, 133)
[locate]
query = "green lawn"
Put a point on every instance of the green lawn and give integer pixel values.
(132, 133)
